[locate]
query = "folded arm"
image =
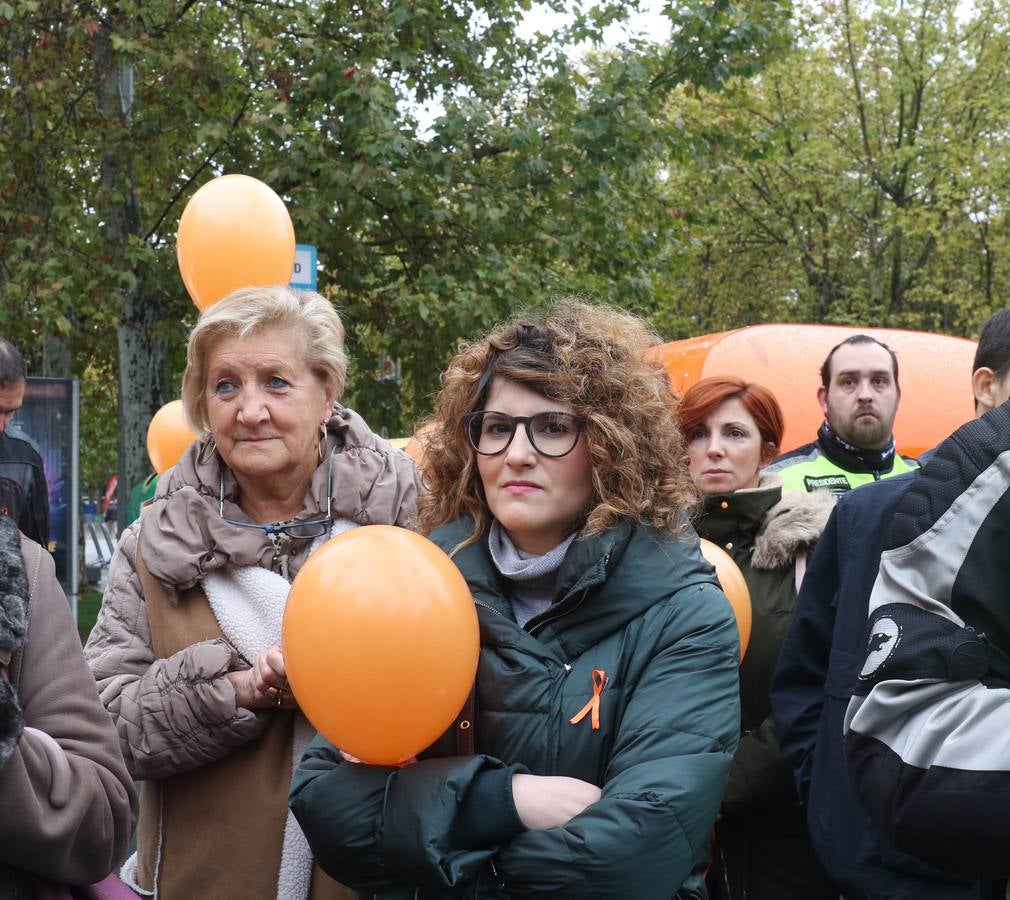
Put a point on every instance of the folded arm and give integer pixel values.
(374, 827)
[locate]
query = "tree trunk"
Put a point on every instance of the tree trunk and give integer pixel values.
(55, 357)
(142, 356)
(142, 359)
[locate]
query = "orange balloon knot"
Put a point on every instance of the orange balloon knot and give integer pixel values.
(593, 706)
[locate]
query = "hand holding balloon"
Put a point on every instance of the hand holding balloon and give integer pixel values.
(265, 685)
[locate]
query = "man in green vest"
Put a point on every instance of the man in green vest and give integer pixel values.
(859, 396)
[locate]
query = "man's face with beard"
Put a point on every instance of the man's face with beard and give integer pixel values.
(862, 396)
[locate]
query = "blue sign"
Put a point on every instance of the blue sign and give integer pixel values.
(304, 275)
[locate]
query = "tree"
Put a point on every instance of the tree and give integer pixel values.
(860, 179)
(524, 183)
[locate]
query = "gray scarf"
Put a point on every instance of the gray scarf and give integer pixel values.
(531, 576)
(185, 538)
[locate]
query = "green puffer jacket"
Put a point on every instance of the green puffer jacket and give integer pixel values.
(639, 604)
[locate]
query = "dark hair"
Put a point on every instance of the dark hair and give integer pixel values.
(705, 397)
(12, 364)
(857, 339)
(993, 351)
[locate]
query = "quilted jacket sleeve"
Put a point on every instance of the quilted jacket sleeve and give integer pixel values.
(172, 715)
(373, 827)
(66, 801)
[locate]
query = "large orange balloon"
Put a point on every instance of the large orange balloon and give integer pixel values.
(235, 232)
(787, 358)
(168, 436)
(380, 642)
(733, 586)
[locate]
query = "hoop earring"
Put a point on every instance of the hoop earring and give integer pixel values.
(321, 448)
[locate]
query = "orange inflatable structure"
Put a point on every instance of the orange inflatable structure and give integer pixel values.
(933, 371)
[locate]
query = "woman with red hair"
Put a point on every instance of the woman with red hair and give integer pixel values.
(732, 428)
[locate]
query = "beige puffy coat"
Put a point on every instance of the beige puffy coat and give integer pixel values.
(178, 714)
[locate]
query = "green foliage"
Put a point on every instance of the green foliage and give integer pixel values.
(449, 171)
(861, 179)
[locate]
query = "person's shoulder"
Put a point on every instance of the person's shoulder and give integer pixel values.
(802, 454)
(791, 527)
(669, 565)
(354, 433)
(15, 434)
(972, 457)
(357, 441)
(872, 495)
(451, 534)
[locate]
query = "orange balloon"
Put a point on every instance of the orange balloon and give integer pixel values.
(380, 642)
(235, 232)
(168, 436)
(733, 586)
(415, 446)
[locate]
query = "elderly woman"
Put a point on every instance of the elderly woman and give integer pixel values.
(732, 429)
(606, 694)
(186, 648)
(66, 800)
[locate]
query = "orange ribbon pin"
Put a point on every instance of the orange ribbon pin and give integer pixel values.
(593, 706)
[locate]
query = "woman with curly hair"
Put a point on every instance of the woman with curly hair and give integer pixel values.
(606, 708)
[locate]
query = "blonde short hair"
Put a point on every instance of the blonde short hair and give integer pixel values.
(249, 310)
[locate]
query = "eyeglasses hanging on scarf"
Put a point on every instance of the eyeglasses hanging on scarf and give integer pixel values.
(282, 533)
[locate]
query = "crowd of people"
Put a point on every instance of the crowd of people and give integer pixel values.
(619, 747)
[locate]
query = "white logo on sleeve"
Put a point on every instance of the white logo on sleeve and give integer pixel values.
(883, 639)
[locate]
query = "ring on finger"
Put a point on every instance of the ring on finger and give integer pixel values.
(274, 695)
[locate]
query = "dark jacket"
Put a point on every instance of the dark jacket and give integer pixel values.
(818, 665)
(762, 849)
(639, 604)
(928, 721)
(24, 494)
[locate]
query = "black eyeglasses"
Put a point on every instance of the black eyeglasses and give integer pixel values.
(552, 434)
(312, 529)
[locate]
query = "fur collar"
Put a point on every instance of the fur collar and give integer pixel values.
(791, 527)
(13, 629)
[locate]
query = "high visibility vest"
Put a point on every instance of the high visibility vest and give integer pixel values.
(815, 471)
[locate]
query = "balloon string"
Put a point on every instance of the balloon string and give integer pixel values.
(593, 706)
